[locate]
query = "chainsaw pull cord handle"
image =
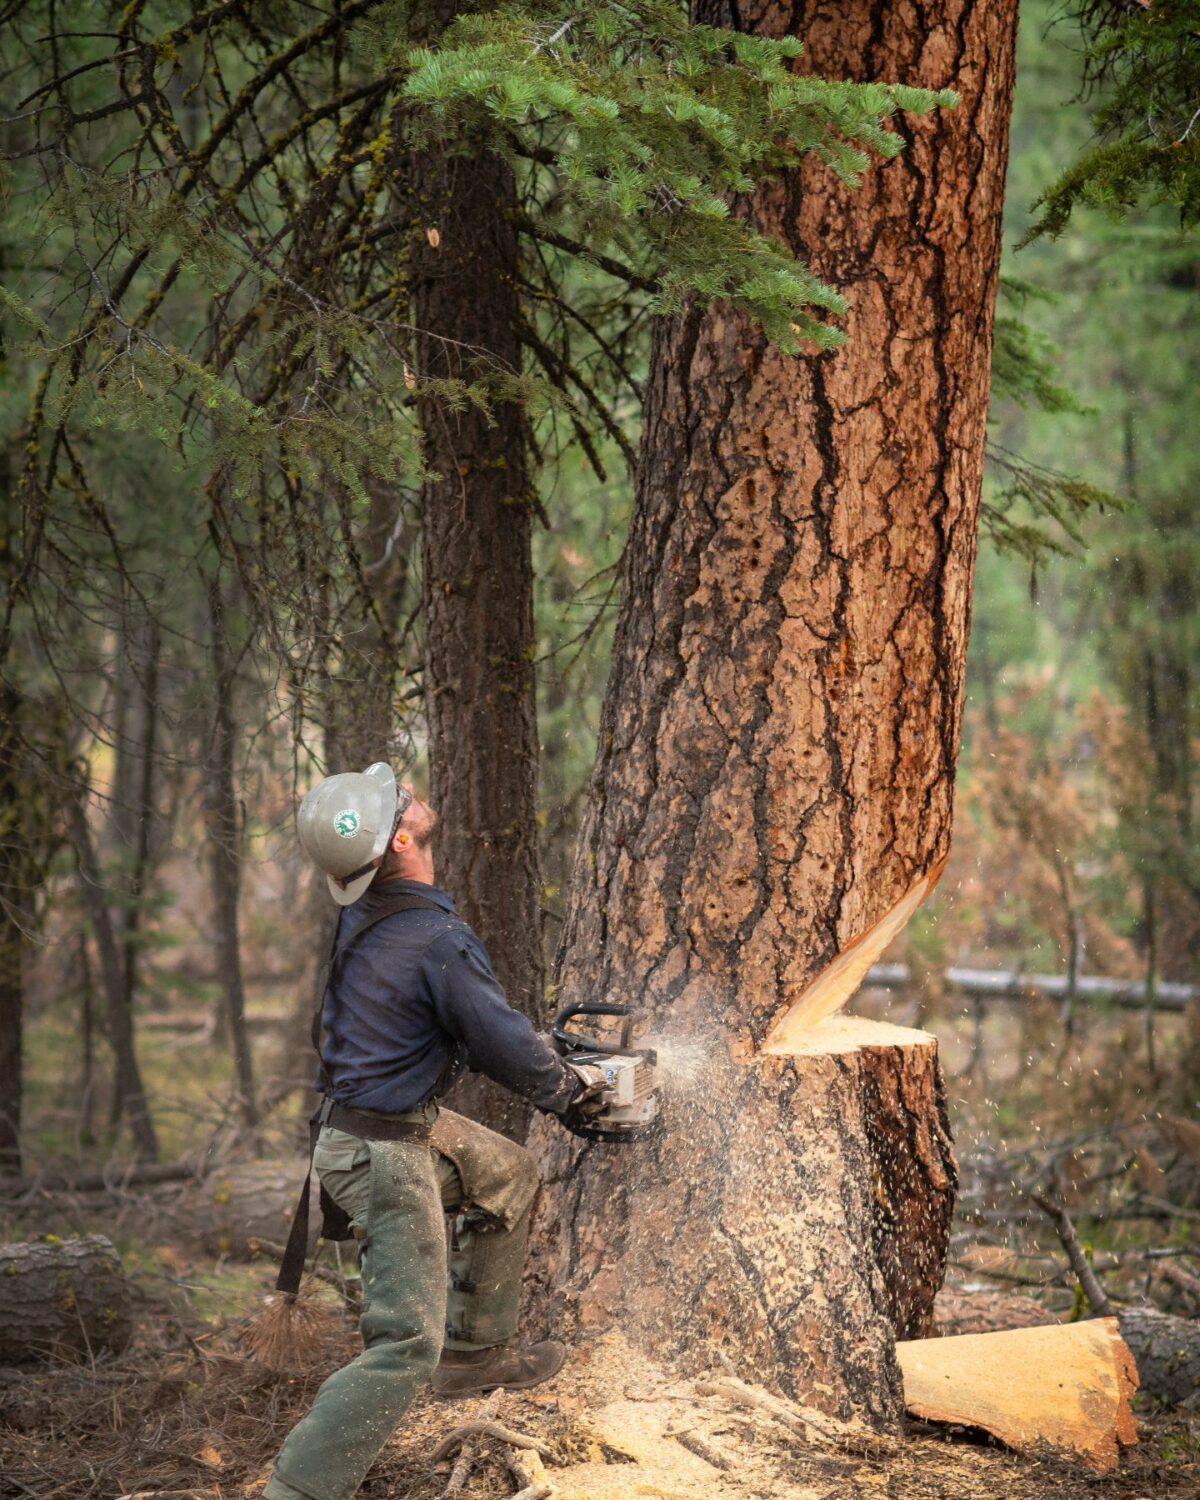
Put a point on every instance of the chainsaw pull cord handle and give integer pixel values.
(574, 1041)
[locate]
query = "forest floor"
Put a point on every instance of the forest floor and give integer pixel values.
(183, 1412)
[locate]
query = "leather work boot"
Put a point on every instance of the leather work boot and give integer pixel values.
(468, 1372)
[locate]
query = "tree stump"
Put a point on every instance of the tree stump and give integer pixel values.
(62, 1296)
(794, 1215)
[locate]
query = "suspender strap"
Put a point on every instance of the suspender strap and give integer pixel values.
(291, 1267)
(367, 1127)
(338, 951)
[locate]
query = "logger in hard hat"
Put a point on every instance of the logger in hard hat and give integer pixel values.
(410, 1001)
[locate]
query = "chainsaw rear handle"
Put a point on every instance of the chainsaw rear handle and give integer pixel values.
(574, 1041)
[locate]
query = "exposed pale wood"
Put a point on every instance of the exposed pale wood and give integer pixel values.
(835, 985)
(1065, 1388)
(843, 1035)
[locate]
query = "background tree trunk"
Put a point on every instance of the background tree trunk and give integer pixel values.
(774, 788)
(133, 813)
(12, 934)
(224, 852)
(118, 1016)
(480, 690)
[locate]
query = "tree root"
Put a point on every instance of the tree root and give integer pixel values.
(690, 1440)
(815, 1428)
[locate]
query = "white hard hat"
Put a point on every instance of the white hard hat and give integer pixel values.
(345, 825)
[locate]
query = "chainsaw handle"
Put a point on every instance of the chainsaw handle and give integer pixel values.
(573, 1041)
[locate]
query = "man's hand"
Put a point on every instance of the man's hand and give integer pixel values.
(588, 1097)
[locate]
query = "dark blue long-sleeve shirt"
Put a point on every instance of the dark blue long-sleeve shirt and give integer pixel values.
(415, 1002)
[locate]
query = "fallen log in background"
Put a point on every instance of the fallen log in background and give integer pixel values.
(1065, 1388)
(110, 1180)
(1167, 1350)
(62, 1296)
(220, 1213)
(1012, 984)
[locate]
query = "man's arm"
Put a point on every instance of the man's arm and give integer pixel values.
(470, 1004)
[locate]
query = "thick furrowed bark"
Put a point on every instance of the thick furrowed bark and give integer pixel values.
(478, 577)
(774, 788)
(795, 1215)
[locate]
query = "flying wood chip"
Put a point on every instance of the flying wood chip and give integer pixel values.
(1065, 1387)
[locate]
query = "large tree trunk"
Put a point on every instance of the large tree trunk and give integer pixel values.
(774, 788)
(478, 574)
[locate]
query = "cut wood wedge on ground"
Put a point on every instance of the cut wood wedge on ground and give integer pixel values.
(1064, 1388)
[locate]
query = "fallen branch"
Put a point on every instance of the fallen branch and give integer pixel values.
(1183, 1281)
(1095, 1293)
(690, 1440)
(1165, 1347)
(813, 1427)
(526, 1469)
(461, 1471)
(487, 1428)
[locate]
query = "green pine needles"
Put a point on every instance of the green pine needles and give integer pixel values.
(651, 127)
(1143, 62)
(215, 217)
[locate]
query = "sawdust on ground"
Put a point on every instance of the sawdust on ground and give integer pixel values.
(204, 1423)
(625, 1429)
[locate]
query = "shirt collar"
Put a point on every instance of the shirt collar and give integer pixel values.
(377, 890)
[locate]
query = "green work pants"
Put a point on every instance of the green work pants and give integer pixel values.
(396, 1193)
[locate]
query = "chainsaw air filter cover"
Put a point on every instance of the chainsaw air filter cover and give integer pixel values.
(632, 1106)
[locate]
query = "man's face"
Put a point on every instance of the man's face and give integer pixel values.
(420, 821)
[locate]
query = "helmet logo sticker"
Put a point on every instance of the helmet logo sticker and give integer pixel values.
(346, 823)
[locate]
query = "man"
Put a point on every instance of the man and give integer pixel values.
(410, 1001)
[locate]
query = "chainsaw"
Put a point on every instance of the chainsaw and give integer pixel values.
(631, 1102)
